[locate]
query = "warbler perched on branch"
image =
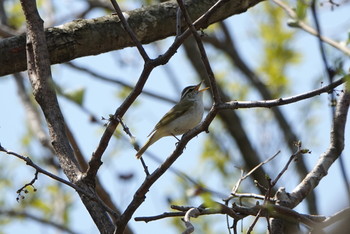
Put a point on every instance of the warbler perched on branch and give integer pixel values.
(184, 116)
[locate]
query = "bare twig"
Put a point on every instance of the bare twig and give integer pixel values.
(341, 215)
(239, 212)
(251, 227)
(161, 216)
(245, 195)
(243, 177)
(281, 101)
(293, 157)
(131, 33)
(24, 187)
(148, 67)
(150, 180)
(301, 24)
(133, 141)
(204, 56)
(39, 170)
(217, 209)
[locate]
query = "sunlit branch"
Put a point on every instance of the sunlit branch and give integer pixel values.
(327, 158)
(281, 101)
(239, 212)
(307, 28)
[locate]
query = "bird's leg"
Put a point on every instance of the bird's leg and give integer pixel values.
(178, 140)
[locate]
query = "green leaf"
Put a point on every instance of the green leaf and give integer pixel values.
(76, 95)
(278, 54)
(301, 10)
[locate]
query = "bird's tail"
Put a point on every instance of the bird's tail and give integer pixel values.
(149, 142)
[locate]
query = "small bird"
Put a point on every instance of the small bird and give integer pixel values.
(184, 116)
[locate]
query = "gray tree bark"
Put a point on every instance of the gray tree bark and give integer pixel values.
(84, 37)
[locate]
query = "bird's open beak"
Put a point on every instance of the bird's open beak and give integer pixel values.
(199, 85)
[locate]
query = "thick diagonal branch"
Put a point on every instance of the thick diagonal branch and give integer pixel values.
(327, 159)
(40, 77)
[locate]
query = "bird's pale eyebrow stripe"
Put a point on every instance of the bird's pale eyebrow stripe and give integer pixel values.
(189, 89)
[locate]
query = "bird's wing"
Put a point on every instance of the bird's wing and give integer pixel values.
(176, 111)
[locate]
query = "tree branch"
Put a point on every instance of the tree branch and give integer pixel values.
(40, 170)
(130, 31)
(281, 101)
(307, 28)
(249, 154)
(140, 194)
(239, 212)
(228, 46)
(204, 57)
(95, 161)
(40, 77)
(83, 37)
(327, 159)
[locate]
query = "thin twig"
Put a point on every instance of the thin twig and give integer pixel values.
(201, 48)
(147, 219)
(49, 174)
(42, 171)
(251, 227)
(132, 139)
(130, 31)
(139, 196)
(307, 28)
(239, 212)
(281, 101)
(293, 157)
(243, 177)
(340, 215)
